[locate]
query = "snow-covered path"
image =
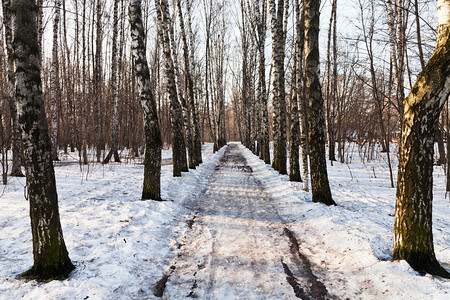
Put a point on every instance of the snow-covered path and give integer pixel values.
(237, 247)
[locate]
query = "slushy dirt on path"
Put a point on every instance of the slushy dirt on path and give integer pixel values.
(238, 247)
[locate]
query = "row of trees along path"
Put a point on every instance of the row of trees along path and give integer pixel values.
(420, 112)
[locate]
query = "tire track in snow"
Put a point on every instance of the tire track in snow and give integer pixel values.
(237, 247)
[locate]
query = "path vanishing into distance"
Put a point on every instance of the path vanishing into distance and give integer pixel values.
(237, 246)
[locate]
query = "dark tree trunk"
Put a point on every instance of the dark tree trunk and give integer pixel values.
(51, 259)
(319, 176)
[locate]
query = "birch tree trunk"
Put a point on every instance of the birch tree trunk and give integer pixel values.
(262, 20)
(245, 101)
(184, 106)
(302, 105)
(51, 259)
(4, 152)
(319, 176)
(294, 159)
(70, 77)
(397, 42)
(413, 236)
(115, 104)
(153, 143)
(16, 144)
(278, 24)
(332, 130)
(439, 139)
(330, 84)
(275, 103)
(54, 82)
(194, 113)
(189, 70)
(178, 148)
(83, 154)
(40, 28)
(98, 80)
(211, 123)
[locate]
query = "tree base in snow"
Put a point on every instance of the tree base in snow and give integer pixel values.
(17, 173)
(324, 198)
(423, 264)
(58, 272)
(295, 177)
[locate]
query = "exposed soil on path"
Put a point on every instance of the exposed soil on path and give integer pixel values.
(237, 246)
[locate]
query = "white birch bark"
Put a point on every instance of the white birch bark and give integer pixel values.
(51, 259)
(152, 169)
(192, 102)
(413, 235)
(16, 143)
(54, 82)
(178, 147)
(115, 104)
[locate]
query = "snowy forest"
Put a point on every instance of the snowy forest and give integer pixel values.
(212, 149)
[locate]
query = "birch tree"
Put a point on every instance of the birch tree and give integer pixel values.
(54, 82)
(184, 105)
(16, 146)
(40, 27)
(294, 164)
(207, 5)
(397, 40)
(261, 20)
(331, 84)
(192, 69)
(245, 98)
(83, 153)
(178, 147)
(301, 95)
(51, 259)
(188, 69)
(115, 104)
(279, 14)
(98, 80)
(413, 235)
(319, 176)
(153, 143)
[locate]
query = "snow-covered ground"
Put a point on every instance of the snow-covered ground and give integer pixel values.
(350, 245)
(121, 245)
